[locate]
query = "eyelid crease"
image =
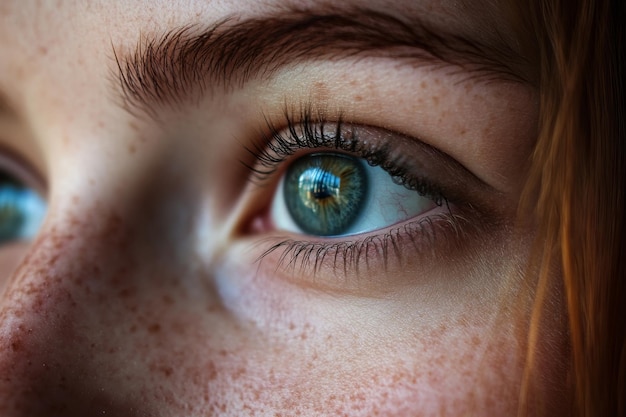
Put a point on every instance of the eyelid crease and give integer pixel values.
(187, 63)
(410, 160)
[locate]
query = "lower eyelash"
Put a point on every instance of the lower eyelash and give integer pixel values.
(305, 257)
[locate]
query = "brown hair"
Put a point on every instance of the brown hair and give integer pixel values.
(578, 183)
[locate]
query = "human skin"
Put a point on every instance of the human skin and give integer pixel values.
(143, 294)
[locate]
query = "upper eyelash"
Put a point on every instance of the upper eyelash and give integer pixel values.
(276, 147)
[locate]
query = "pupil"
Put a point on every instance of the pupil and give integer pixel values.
(317, 184)
(324, 193)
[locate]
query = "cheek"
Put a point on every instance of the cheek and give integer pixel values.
(288, 349)
(117, 328)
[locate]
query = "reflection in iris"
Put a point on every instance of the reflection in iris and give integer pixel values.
(325, 193)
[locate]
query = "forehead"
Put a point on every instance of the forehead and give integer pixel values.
(47, 21)
(68, 37)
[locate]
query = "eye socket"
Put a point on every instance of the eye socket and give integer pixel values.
(331, 194)
(22, 208)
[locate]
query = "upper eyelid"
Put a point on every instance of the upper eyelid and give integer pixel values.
(190, 61)
(440, 170)
(23, 170)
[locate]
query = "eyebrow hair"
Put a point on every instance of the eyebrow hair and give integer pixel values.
(187, 62)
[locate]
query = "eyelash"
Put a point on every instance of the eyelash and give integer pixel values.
(303, 131)
(276, 149)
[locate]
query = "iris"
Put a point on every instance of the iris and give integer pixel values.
(325, 193)
(21, 210)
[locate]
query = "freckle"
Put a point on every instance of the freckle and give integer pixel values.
(212, 372)
(154, 328)
(132, 149)
(133, 126)
(292, 326)
(43, 50)
(241, 372)
(167, 300)
(358, 98)
(321, 91)
(423, 84)
(436, 100)
(166, 370)
(16, 345)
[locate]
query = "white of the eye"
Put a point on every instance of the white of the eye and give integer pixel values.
(387, 204)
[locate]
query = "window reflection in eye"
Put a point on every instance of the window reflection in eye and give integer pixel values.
(329, 194)
(22, 209)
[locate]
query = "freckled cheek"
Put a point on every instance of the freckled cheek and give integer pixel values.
(342, 354)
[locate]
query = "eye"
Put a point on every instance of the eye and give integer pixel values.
(343, 196)
(333, 194)
(22, 209)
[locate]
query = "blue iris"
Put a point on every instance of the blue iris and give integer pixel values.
(22, 210)
(324, 193)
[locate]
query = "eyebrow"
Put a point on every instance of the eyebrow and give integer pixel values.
(188, 62)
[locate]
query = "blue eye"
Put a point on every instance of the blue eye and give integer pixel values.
(325, 194)
(22, 210)
(330, 194)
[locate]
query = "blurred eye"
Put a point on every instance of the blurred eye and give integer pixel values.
(22, 209)
(333, 194)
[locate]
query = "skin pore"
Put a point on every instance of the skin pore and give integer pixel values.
(152, 290)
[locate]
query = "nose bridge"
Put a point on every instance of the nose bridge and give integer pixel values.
(95, 289)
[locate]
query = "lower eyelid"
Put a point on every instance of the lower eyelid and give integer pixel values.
(341, 263)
